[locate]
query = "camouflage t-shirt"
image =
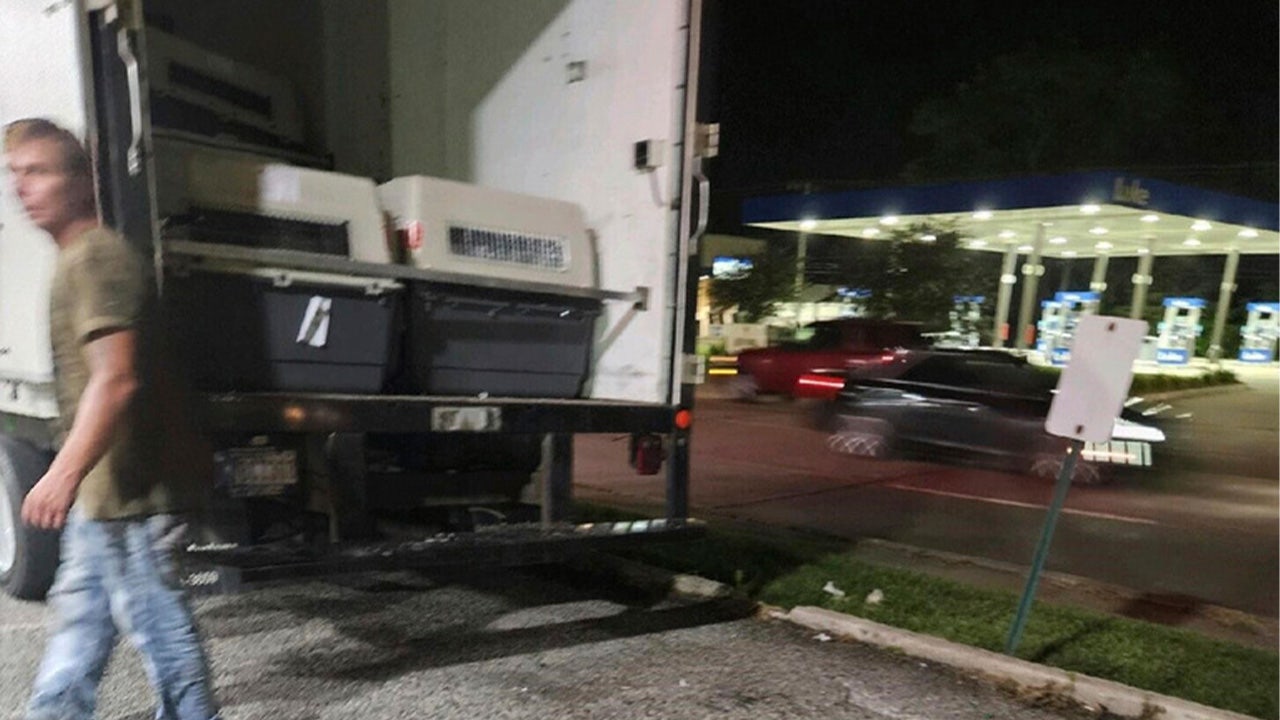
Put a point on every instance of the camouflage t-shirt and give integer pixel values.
(153, 465)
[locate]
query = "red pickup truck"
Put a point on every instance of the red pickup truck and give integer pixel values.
(826, 348)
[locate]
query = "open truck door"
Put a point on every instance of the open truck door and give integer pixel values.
(78, 65)
(47, 73)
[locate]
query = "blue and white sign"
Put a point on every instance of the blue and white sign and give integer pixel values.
(853, 293)
(1186, 303)
(1076, 296)
(1060, 356)
(1172, 356)
(1255, 356)
(730, 268)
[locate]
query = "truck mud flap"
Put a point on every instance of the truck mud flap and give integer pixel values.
(230, 570)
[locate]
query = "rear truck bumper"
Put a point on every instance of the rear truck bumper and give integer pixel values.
(234, 569)
(346, 419)
(326, 413)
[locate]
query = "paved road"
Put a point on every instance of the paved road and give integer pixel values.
(517, 645)
(1203, 524)
(1234, 434)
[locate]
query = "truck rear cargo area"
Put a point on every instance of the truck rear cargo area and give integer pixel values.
(398, 283)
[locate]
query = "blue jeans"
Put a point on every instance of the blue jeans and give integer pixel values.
(121, 576)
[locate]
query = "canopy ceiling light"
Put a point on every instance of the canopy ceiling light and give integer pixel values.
(1134, 215)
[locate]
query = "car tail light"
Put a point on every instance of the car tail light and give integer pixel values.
(816, 385)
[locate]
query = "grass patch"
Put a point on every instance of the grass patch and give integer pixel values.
(1147, 383)
(789, 571)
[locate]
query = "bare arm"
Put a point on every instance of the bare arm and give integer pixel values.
(113, 380)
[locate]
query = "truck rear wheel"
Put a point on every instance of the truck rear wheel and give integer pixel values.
(28, 557)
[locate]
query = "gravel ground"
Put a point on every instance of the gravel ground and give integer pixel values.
(529, 644)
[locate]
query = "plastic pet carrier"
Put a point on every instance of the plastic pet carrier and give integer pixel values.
(245, 332)
(508, 344)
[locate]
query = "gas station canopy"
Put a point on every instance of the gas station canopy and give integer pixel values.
(1096, 215)
(1075, 215)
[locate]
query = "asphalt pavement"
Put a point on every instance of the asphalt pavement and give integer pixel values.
(1193, 542)
(520, 644)
(551, 643)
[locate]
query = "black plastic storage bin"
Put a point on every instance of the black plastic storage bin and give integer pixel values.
(240, 333)
(468, 341)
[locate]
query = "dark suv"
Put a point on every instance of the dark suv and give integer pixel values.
(977, 404)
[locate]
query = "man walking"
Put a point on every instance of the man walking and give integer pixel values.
(114, 486)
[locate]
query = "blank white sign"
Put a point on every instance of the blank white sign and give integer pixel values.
(1093, 386)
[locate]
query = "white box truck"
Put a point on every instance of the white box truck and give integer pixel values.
(406, 251)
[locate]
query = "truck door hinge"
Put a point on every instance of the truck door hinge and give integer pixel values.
(693, 369)
(706, 141)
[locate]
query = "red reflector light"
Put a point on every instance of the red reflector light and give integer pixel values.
(821, 381)
(824, 387)
(647, 454)
(683, 419)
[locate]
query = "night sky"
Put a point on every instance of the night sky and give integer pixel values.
(818, 94)
(822, 90)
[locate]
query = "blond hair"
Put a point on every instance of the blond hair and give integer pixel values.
(75, 159)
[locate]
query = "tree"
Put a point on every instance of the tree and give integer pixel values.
(1041, 110)
(916, 272)
(758, 291)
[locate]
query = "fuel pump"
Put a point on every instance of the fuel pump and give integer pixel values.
(1071, 307)
(1049, 327)
(966, 316)
(1258, 336)
(1176, 344)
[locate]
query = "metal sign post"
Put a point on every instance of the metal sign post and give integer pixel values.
(1090, 396)
(1042, 550)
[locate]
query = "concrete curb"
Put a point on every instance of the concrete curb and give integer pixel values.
(1196, 392)
(1090, 691)
(1022, 675)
